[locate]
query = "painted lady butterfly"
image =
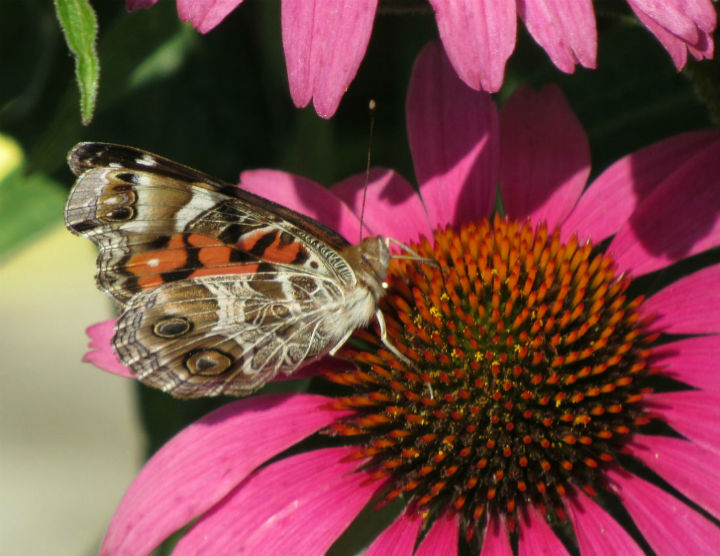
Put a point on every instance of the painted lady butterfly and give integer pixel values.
(220, 289)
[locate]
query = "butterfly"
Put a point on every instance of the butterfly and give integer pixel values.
(219, 289)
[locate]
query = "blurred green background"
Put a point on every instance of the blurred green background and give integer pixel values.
(72, 437)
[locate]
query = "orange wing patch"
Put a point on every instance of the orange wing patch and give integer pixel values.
(281, 250)
(148, 267)
(214, 258)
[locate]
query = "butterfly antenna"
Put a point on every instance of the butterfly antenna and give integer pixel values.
(372, 105)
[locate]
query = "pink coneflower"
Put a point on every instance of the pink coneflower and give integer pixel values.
(325, 40)
(546, 397)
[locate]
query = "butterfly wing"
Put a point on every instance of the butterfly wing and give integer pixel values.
(220, 289)
(216, 335)
(157, 221)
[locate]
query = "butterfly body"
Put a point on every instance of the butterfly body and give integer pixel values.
(220, 289)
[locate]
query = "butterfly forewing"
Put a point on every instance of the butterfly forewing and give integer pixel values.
(220, 289)
(134, 205)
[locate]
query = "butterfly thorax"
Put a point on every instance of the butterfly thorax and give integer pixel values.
(369, 259)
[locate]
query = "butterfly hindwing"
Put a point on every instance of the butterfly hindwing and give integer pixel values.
(229, 335)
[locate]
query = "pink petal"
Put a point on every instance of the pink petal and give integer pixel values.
(689, 305)
(201, 464)
(324, 43)
(101, 353)
(597, 533)
(304, 196)
(689, 468)
(453, 134)
(693, 361)
(669, 526)
(544, 156)
(478, 36)
(536, 537)
(205, 15)
(442, 538)
(132, 5)
(679, 26)
(496, 541)
(695, 415)
(668, 14)
(680, 218)
(297, 505)
(614, 195)
(702, 13)
(392, 207)
(399, 538)
(566, 30)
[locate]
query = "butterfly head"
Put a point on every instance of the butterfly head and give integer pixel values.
(371, 258)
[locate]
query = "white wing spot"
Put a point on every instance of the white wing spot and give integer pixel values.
(146, 160)
(153, 262)
(142, 179)
(190, 211)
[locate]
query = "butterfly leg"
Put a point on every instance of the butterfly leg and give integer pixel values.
(396, 352)
(340, 344)
(383, 337)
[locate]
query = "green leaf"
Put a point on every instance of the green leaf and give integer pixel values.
(79, 24)
(164, 61)
(29, 204)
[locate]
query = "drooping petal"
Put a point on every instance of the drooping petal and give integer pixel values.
(535, 535)
(689, 468)
(205, 15)
(453, 134)
(694, 361)
(689, 305)
(298, 505)
(204, 462)
(669, 15)
(324, 43)
(675, 47)
(566, 30)
(614, 195)
(101, 353)
(544, 156)
(442, 538)
(304, 196)
(496, 541)
(398, 539)
(597, 533)
(679, 25)
(478, 36)
(669, 526)
(658, 234)
(694, 414)
(392, 207)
